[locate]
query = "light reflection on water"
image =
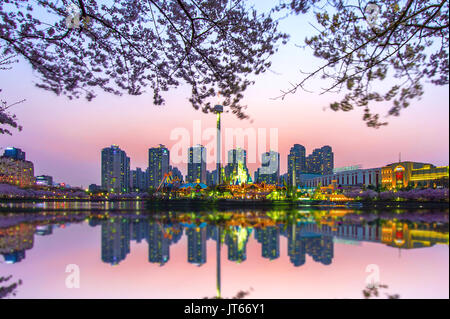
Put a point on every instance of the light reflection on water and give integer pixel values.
(276, 253)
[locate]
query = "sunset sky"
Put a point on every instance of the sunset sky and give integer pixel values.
(64, 138)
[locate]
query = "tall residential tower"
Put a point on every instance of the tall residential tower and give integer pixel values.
(269, 172)
(115, 170)
(321, 161)
(296, 164)
(158, 165)
(197, 164)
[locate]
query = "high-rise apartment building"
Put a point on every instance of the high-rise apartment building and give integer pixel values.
(196, 164)
(212, 178)
(269, 172)
(115, 170)
(320, 161)
(158, 165)
(296, 164)
(176, 174)
(15, 153)
(138, 180)
(14, 169)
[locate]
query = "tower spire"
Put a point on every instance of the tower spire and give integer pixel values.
(218, 109)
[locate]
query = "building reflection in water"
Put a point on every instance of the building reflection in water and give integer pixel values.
(311, 234)
(158, 244)
(196, 238)
(44, 230)
(15, 240)
(115, 240)
(303, 238)
(218, 261)
(139, 230)
(269, 238)
(236, 240)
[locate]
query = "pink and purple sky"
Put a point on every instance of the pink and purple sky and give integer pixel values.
(64, 138)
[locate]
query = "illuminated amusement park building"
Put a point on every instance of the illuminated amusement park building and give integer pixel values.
(403, 174)
(236, 170)
(196, 164)
(115, 170)
(158, 165)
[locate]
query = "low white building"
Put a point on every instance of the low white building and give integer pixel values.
(355, 177)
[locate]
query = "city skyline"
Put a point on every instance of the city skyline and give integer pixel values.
(117, 175)
(140, 179)
(187, 149)
(56, 128)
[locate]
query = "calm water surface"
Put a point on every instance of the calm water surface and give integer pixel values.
(123, 250)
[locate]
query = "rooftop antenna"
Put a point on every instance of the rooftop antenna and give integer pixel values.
(399, 157)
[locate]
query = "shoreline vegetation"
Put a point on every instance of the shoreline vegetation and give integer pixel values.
(223, 196)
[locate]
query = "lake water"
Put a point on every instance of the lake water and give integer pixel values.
(124, 250)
